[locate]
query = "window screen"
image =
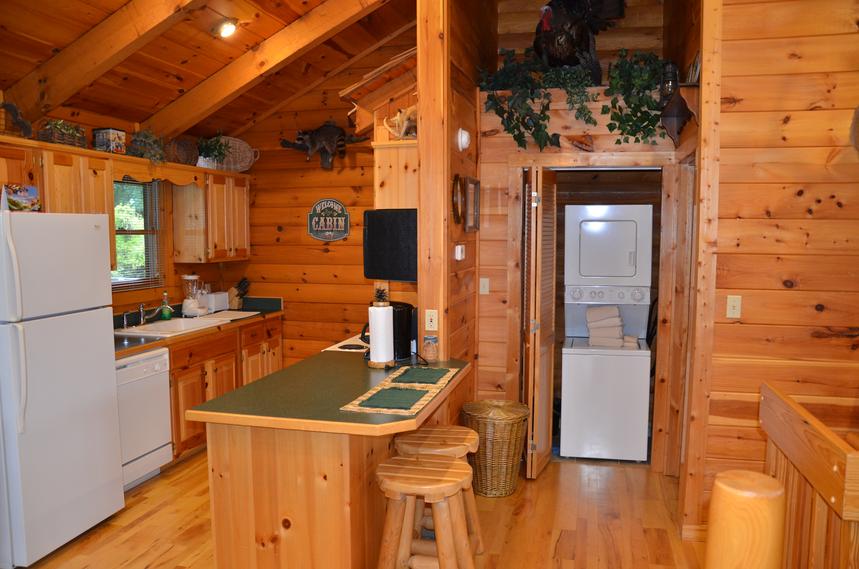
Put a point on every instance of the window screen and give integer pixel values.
(138, 249)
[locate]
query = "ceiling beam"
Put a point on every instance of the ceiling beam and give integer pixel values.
(325, 77)
(94, 53)
(290, 43)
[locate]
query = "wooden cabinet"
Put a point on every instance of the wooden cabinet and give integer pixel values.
(208, 367)
(80, 184)
(187, 391)
(262, 352)
(221, 375)
(21, 166)
(212, 224)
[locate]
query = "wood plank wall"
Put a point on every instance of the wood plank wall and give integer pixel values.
(682, 19)
(788, 230)
(322, 284)
(640, 29)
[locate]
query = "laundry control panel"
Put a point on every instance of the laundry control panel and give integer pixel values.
(607, 295)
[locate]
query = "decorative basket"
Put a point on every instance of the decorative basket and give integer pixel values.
(50, 134)
(501, 426)
(241, 156)
(182, 151)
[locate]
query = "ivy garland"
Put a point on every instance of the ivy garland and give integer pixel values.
(525, 111)
(634, 106)
(634, 109)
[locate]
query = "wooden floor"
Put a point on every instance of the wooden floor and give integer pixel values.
(577, 515)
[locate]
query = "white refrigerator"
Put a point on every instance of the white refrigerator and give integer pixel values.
(61, 463)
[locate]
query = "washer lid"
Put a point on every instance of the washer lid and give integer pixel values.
(580, 346)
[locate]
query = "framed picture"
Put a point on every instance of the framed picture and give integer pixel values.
(472, 204)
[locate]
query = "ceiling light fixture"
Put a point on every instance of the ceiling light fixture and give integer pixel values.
(227, 28)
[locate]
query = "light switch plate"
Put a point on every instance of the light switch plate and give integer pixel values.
(484, 285)
(734, 306)
(431, 320)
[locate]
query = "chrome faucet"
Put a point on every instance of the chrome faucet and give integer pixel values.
(144, 316)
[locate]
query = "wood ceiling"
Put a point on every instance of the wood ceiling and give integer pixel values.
(187, 53)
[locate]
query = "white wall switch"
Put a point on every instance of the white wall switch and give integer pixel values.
(734, 306)
(459, 252)
(484, 285)
(431, 320)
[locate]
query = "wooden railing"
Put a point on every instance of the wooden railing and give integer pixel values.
(820, 473)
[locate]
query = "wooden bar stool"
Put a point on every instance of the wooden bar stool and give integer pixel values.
(453, 441)
(439, 482)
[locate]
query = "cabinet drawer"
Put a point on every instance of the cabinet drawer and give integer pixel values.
(202, 349)
(253, 334)
(273, 328)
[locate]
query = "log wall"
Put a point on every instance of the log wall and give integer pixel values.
(322, 284)
(787, 226)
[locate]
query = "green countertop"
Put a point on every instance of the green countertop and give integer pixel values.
(308, 395)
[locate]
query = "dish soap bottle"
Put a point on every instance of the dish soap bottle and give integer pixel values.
(166, 309)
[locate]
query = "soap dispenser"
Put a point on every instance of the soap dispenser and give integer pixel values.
(166, 309)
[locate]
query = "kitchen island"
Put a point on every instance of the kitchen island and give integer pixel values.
(291, 476)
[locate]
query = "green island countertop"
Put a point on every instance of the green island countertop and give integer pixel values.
(307, 396)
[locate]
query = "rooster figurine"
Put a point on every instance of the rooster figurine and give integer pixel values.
(566, 33)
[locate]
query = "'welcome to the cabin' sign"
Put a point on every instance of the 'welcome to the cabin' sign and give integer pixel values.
(328, 220)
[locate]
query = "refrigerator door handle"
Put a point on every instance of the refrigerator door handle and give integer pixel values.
(16, 268)
(22, 376)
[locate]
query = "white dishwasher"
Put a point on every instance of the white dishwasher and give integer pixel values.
(143, 391)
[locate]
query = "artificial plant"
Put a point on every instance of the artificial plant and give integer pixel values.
(215, 148)
(145, 144)
(525, 110)
(634, 107)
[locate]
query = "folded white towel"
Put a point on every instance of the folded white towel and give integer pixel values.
(605, 342)
(596, 313)
(605, 323)
(612, 332)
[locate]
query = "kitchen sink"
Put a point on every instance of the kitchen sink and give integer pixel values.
(168, 328)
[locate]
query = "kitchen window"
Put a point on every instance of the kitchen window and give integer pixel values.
(138, 249)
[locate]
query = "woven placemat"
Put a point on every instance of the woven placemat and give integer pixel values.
(365, 403)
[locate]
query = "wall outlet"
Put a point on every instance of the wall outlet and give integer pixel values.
(734, 306)
(484, 285)
(431, 320)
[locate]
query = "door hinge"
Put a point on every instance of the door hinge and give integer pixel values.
(535, 199)
(534, 326)
(532, 447)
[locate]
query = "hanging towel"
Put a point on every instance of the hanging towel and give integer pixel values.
(605, 342)
(606, 323)
(611, 332)
(596, 313)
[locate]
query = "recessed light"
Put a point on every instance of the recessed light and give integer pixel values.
(227, 28)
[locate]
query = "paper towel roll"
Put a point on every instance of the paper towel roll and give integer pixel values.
(381, 334)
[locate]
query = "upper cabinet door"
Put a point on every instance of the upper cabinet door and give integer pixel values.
(217, 204)
(63, 182)
(97, 195)
(21, 166)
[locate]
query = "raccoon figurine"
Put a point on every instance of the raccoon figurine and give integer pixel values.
(329, 140)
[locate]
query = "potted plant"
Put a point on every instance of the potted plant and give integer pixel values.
(145, 144)
(213, 151)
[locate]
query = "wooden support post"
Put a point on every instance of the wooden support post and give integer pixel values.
(433, 152)
(746, 521)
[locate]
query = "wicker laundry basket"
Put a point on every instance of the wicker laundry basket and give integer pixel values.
(501, 426)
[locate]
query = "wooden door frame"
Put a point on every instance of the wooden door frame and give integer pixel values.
(670, 164)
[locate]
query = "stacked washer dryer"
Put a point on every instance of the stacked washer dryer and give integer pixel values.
(605, 397)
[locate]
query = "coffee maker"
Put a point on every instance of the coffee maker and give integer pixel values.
(405, 330)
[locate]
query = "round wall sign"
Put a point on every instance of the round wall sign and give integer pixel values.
(328, 220)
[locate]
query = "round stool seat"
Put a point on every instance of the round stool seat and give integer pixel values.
(439, 440)
(432, 477)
